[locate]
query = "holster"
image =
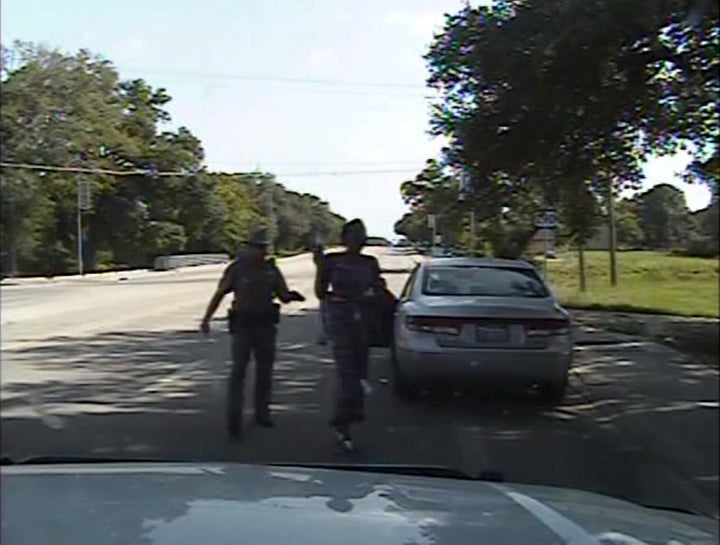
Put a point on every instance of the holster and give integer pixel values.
(238, 320)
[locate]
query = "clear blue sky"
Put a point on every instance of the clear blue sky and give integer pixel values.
(217, 59)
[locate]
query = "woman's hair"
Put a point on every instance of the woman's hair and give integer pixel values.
(349, 228)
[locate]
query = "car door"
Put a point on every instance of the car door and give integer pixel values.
(404, 299)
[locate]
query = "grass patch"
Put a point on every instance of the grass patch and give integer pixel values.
(650, 282)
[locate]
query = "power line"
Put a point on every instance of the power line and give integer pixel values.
(252, 164)
(344, 173)
(154, 173)
(402, 90)
(338, 92)
(279, 79)
(84, 170)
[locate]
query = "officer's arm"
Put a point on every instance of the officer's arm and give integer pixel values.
(281, 291)
(322, 278)
(318, 254)
(224, 287)
(378, 282)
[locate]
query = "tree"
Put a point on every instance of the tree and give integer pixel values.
(505, 219)
(435, 192)
(414, 226)
(56, 109)
(629, 232)
(73, 110)
(542, 96)
(664, 216)
(704, 241)
(580, 215)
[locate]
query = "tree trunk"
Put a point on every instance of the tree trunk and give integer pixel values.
(14, 229)
(581, 264)
(613, 237)
(13, 259)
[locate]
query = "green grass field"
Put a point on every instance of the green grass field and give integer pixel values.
(649, 282)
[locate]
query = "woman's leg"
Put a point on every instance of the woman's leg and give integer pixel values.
(348, 390)
(322, 336)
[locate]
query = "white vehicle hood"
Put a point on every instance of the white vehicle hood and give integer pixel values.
(191, 504)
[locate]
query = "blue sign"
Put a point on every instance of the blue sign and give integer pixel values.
(548, 221)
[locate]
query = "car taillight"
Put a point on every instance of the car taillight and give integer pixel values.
(431, 324)
(548, 328)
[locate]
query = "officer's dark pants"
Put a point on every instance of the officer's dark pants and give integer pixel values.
(351, 353)
(247, 341)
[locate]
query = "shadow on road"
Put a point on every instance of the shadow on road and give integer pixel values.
(155, 393)
(161, 394)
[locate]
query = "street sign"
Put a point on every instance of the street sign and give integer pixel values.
(548, 221)
(84, 195)
(431, 221)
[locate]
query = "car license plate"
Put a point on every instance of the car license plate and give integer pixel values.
(492, 334)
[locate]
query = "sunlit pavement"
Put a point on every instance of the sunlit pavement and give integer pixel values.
(116, 368)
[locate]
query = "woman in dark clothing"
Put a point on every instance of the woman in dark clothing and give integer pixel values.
(349, 281)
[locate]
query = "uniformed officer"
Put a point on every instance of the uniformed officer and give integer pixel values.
(349, 282)
(255, 282)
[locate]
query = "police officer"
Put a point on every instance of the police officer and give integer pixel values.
(349, 281)
(255, 282)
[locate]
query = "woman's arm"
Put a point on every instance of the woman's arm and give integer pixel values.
(318, 254)
(377, 281)
(322, 277)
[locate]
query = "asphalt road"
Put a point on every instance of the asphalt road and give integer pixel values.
(114, 366)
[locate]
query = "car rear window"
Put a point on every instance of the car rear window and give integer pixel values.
(483, 281)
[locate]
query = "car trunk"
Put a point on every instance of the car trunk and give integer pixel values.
(490, 322)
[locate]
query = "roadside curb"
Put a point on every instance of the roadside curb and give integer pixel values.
(117, 275)
(697, 337)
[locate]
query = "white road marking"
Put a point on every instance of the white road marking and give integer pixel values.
(563, 527)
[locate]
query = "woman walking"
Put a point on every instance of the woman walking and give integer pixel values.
(349, 281)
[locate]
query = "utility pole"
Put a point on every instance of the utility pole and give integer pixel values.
(465, 191)
(581, 264)
(13, 238)
(473, 243)
(83, 203)
(612, 233)
(432, 223)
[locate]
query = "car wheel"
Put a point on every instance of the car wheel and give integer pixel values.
(554, 392)
(402, 387)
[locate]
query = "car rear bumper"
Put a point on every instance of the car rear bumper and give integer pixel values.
(485, 364)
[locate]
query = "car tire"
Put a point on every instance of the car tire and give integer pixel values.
(402, 387)
(553, 392)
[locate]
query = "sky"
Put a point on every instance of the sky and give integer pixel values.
(328, 95)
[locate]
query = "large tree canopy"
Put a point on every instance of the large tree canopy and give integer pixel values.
(563, 88)
(557, 103)
(76, 111)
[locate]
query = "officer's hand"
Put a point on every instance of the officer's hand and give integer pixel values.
(205, 327)
(297, 296)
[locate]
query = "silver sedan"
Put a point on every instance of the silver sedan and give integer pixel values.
(479, 318)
